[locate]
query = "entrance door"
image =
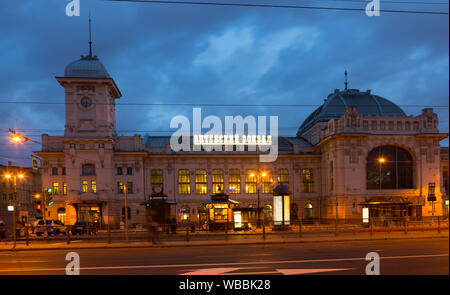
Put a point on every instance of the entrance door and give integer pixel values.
(89, 214)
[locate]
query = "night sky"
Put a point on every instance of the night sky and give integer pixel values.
(159, 53)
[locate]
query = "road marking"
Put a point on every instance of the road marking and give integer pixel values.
(221, 264)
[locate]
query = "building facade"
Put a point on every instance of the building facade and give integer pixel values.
(356, 151)
(26, 188)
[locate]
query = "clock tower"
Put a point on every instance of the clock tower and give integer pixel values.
(90, 97)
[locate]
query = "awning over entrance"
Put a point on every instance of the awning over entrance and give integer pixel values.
(158, 199)
(385, 201)
(220, 198)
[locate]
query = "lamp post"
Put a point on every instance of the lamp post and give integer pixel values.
(262, 174)
(381, 160)
(14, 178)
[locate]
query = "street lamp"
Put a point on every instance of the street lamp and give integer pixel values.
(381, 161)
(14, 177)
(258, 175)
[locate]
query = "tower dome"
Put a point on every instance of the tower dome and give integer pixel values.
(86, 67)
(337, 103)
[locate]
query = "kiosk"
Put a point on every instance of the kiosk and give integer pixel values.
(220, 212)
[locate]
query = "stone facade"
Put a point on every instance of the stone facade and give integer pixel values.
(325, 165)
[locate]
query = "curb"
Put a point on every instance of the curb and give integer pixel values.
(222, 244)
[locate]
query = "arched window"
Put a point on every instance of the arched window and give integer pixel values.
(308, 211)
(62, 215)
(123, 213)
(88, 170)
(389, 167)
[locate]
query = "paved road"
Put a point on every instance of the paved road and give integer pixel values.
(417, 256)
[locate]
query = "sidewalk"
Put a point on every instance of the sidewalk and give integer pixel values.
(246, 240)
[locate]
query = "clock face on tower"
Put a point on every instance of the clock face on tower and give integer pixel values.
(86, 102)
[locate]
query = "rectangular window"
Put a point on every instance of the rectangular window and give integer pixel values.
(130, 187)
(250, 181)
(267, 182)
(235, 181)
(55, 171)
(283, 177)
(64, 188)
(120, 187)
(93, 186)
(84, 186)
(157, 179)
(64, 171)
(119, 171)
(184, 182)
(217, 180)
(129, 171)
(201, 182)
(55, 187)
(308, 180)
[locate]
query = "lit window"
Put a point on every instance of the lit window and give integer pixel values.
(55, 186)
(308, 182)
(157, 179)
(283, 177)
(267, 182)
(184, 182)
(64, 188)
(93, 186)
(84, 186)
(235, 181)
(217, 180)
(201, 182)
(250, 181)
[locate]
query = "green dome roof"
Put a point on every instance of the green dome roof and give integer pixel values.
(337, 103)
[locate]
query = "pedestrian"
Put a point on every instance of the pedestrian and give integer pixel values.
(155, 232)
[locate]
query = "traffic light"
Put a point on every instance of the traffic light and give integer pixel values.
(38, 206)
(49, 198)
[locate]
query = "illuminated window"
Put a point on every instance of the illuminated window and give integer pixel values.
(201, 182)
(84, 186)
(235, 181)
(184, 182)
(217, 180)
(62, 215)
(250, 181)
(93, 186)
(157, 179)
(64, 188)
(120, 187)
(267, 182)
(308, 181)
(308, 211)
(55, 187)
(283, 177)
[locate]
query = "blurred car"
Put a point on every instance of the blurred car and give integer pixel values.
(53, 227)
(2, 230)
(83, 227)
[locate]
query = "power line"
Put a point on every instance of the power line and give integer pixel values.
(387, 2)
(205, 104)
(279, 6)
